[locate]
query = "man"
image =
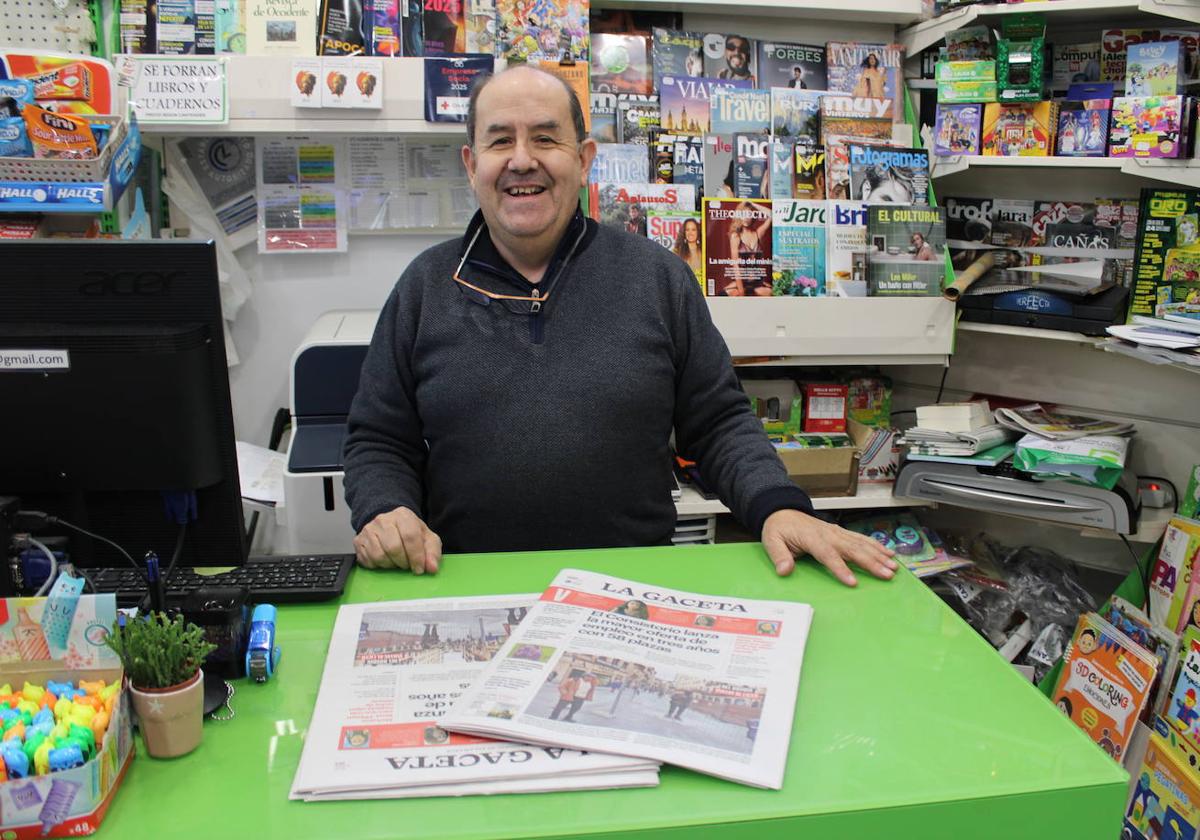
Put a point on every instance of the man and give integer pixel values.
(637, 221)
(737, 59)
(523, 382)
(797, 80)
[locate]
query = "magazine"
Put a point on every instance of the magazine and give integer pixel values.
(621, 64)
(906, 250)
(1074, 63)
(867, 70)
(1167, 219)
(847, 120)
(625, 206)
(738, 111)
(751, 174)
(686, 102)
(1036, 420)
(635, 120)
(676, 53)
(809, 182)
(783, 168)
(881, 175)
(799, 66)
(798, 256)
(705, 682)
(796, 113)
(731, 57)
(444, 27)
(1083, 127)
(737, 247)
(551, 30)
(689, 163)
(392, 671)
(846, 251)
(718, 166)
(621, 162)
(679, 232)
(968, 224)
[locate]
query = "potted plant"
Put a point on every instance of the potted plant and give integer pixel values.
(162, 658)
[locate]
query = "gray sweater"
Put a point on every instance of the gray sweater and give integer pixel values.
(511, 431)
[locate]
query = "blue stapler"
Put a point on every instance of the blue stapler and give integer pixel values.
(262, 654)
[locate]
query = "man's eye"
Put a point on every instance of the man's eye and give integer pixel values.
(545, 139)
(501, 141)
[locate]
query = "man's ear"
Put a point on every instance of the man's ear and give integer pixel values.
(468, 159)
(587, 154)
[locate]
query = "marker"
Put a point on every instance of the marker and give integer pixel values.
(154, 582)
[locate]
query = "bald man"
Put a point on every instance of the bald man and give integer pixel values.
(523, 381)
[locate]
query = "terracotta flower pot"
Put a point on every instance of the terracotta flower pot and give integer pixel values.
(171, 718)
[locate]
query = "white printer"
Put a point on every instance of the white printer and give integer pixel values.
(324, 379)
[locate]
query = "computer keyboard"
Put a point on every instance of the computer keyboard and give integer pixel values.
(273, 580)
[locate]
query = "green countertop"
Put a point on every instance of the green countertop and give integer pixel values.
(907, 725)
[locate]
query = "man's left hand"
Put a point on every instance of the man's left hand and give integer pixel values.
(787, 533)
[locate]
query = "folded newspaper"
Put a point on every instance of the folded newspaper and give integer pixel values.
(393, 669)
(937, 442)
(705, 682)
(1052, 425)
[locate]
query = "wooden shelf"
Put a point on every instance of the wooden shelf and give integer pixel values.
(1101, 12)
(869, 496)
(837, 331)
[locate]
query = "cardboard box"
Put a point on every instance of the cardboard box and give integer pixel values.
(63, 639)
(821, 472)
(967, 71)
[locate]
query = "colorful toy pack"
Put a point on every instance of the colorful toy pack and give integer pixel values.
(1154, 69)
(957, 130)
(1083, 128)
(1147, 126)
(1025, 129)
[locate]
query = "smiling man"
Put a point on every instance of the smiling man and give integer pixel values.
(523, 381)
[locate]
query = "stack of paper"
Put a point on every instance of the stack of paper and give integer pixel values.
(615, 666)
(393, 671)
(1036, 420)
(990, 443)
(589, 685)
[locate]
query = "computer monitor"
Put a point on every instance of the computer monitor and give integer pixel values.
(113, 391)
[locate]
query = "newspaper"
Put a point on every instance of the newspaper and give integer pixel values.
(705, 682)
(937, 442)
(546, 784)
(392, 670)
(1036, 420)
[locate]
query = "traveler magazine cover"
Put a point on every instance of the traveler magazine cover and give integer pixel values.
(393, 669)
(707, 682)
(737, 247)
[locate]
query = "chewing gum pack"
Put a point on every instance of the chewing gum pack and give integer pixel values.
(58, 135)
(14, 141)
(70, 81)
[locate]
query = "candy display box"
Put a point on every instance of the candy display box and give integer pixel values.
(61, 639)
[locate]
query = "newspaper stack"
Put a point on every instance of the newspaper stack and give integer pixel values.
(1035, 420)
(393, 670)
(614, 666)
(1171, 339)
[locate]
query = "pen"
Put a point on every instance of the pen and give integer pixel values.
(154, 582)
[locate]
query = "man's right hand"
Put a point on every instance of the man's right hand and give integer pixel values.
(398, 539)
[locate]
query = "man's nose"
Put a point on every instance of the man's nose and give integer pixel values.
(522, 159)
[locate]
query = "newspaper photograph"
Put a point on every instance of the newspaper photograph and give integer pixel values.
(615, 666)
(393, 669)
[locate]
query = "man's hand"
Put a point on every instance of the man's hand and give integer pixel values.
(398, 539)
(787, 533)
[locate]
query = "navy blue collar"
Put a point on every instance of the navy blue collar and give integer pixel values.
(486, 257)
